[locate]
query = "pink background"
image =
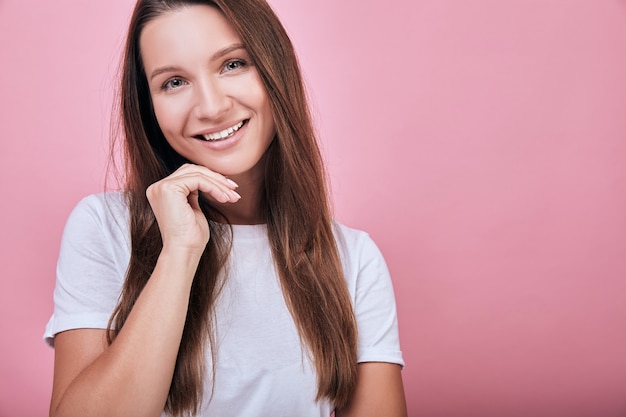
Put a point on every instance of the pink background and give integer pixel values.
(482, 144)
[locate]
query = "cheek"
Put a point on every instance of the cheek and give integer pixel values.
(167, 116)
(254, 94)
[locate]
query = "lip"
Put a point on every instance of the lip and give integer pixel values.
(220, 127)
(222, 144)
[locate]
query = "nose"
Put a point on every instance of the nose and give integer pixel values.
(211, 101)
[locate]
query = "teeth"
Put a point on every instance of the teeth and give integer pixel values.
(224, 133)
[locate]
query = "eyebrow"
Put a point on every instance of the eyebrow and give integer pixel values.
(219, 54)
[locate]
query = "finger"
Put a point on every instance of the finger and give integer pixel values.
(192, 198)
(217, 191)
(197, 177)
(194, 181)
(192, 168)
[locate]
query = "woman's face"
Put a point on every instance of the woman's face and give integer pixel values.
(207, 94)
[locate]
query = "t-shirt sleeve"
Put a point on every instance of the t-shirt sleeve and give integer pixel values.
(89, 271)
(370, 285)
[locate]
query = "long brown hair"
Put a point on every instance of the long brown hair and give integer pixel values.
(294, 205)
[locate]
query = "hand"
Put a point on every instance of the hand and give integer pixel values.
(174, 201)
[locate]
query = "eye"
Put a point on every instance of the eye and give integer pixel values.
(173, 83)
(234, 65)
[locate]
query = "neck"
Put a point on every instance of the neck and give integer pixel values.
(248, 209)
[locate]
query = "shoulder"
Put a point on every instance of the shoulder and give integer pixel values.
(101, 208)
(98, 216)
(92, 263)
(371, 289)
(348, 238)
(361, 258)
(354, 244)
(103, 204)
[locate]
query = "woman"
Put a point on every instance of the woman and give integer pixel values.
(217, 283)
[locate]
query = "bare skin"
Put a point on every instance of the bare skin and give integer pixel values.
(379, 392)
(201, 83)
(94, 379)
(120, 380)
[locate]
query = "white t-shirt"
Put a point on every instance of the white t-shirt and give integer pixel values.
(261, 368)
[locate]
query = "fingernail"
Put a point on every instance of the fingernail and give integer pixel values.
(232, 183)
(236, 194)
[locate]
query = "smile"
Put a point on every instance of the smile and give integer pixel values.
(226, 133)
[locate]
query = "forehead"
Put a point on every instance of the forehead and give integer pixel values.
(188, 30)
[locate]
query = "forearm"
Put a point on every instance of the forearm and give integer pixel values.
(133, 375)
(379, 392)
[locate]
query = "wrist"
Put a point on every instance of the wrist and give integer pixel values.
(179, 260)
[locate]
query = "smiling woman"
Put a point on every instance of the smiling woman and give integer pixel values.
(208, 97)
(217, 282)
